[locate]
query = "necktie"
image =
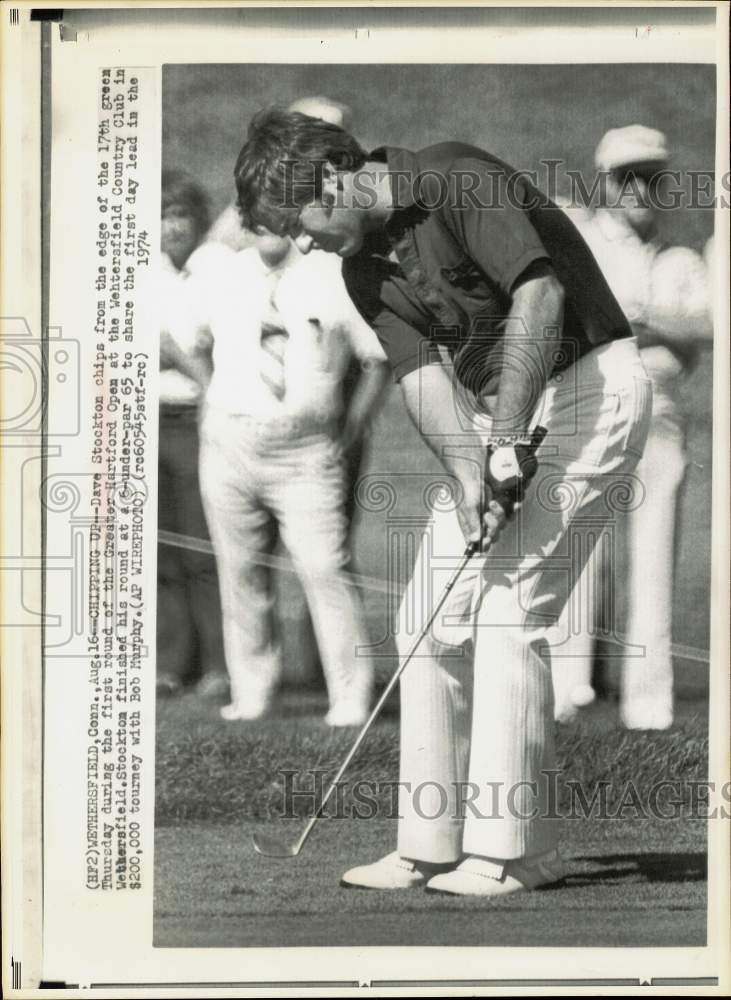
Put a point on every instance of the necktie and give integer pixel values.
(273, 343)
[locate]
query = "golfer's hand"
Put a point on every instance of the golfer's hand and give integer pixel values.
(510, 468)
(493, 522)
(477, 525)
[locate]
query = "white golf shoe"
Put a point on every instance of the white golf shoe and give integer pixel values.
(644, 714)
(493, 877)
(582, 695)
(347, 713)
(567, 710)
(391, 872)
(213, 685)
(565, 713)
(240, 711)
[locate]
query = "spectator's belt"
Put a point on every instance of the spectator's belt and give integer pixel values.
(177, 410)
(286, 426)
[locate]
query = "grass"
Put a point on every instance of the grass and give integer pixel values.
(632, 881)
(629, 884)
(212, 771)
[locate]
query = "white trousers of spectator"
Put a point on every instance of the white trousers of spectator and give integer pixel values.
(648, 534)
(477, 751)
(258, 477)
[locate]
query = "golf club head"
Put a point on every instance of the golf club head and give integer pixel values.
(271, 847)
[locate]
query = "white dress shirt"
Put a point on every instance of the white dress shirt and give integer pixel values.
(324, 331)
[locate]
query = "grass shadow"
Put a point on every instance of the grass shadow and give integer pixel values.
(661, 866)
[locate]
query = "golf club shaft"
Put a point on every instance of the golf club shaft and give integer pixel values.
(469, 552)
(537, 437)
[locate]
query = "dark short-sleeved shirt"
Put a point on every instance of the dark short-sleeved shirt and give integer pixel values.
(466, 229)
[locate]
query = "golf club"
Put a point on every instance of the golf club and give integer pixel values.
(274, 847)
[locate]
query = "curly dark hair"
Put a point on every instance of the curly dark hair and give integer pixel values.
(280, 166)
(179, 188)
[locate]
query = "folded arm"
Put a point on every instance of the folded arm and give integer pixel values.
(532, 331)
(367, 395)
(196, 364)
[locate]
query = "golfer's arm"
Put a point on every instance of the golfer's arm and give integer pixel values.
(529, 344)
(430, 402)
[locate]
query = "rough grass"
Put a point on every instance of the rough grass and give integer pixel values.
(208, 770)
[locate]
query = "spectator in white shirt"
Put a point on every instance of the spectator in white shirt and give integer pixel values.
(274, 438)
(227, 230)
(665, 294)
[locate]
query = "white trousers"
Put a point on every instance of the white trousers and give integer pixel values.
(257, 479)
(647, 535)
(477, 701)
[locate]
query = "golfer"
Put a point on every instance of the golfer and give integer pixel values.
(495, 319)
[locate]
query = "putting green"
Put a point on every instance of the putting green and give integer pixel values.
(638, 883)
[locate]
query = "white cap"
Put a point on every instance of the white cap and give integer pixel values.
(325, 109)
(621, 147)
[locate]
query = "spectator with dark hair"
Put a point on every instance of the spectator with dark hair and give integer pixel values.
(185, 215)
(188, 612)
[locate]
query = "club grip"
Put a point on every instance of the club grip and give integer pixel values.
(536, 438)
